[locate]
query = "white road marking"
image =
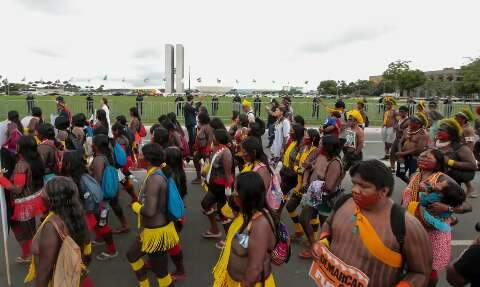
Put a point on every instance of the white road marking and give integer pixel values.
(461, 242)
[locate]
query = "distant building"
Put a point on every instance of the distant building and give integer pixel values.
(213, 89)
(179, 69)
(169, 72)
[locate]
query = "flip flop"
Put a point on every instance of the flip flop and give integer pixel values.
(104, 256)
(209, 234)
(21, 260)
(220, 244)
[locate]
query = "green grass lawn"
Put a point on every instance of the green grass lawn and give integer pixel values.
(153, 107)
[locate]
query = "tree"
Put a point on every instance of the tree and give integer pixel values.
(410, 79)
(470, 73)
(363, 87)
(394, 71)
(382, 87)
(328, 87)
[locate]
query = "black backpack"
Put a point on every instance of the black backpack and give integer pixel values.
(72, 143)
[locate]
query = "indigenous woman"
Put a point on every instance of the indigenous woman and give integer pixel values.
(47, 148)
(245, 260)
(459, 158)
(134, 126)
(174, 137)
(102, 158)
(240, 135)
(218, 183)
(102, 120)
(9, 148)
(66, 217)
(468, 138)
(24, 191)
(157, 233)
(34, 121)
(120, 137)
(203, 141)
(255, 159)
(288, 175)
(325, 186)
(431, 164)
(311, 141)
(174, 161)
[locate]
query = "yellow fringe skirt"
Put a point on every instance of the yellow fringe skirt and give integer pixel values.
(159, 239)
(269, 282)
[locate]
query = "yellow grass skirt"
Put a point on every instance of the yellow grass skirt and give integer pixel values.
(159, 239)
(269, 282)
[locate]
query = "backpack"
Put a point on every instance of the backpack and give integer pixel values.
(119, 155)
(397, 219)
(68, 267)
(91, 192)
(72, 143)
(175, 207)
(274, 195)
(280, 254)
(109, 181)
(58, 154)
(141, 131)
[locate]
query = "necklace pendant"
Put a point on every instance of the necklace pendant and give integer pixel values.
(354, 218)
(355, 230)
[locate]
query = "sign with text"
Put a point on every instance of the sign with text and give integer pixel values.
(329, 271)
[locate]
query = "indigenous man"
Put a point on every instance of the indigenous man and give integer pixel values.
(413, 143)
(354, 139)
(247, 109)
(400, 127)
(464, 118)
(157, 233)
(389, 122)
(360, 233)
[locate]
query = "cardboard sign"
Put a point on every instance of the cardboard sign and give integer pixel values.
(330, 271)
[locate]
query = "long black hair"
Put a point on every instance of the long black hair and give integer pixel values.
(74, 165)
(64, 201)
(14, 117)
(102, 117)
(298, 132)
(122, 131)
(216, 123)
(315, 136)
(173, 118)
(251, 191)
(134, 113)
(155, 155)
(161, 137)
(27, 149)
(439, 157)
(331, 146)
(253, 147)
(102, 143)
(174, 160)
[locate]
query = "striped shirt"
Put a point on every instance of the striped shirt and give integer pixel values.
(348, 247)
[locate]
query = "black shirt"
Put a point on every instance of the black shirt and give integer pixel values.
(467, 265)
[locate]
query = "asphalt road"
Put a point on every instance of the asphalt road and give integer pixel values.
(201, 254)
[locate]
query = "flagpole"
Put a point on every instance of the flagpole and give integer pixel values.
(3, 214)
(189, 78)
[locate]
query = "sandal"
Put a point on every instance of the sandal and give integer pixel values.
(220, 244)
(209, 234)
(104, 256)
(22, 260)
(305, 254)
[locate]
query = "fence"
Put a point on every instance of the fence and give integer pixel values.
(153, 109)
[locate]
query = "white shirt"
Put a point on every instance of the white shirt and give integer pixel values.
(251, 116)
(282, 131)
(107, 112)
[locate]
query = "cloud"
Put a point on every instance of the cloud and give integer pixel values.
(347, 38)
(48, 6)
(148, 53)
(46, 52)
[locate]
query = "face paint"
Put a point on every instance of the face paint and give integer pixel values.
(366, 201)
(307, 141)
(426, 164)
(443, 136)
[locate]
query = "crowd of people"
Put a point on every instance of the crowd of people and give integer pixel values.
(62, 179)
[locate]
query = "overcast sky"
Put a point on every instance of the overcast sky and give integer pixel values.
(285, 41)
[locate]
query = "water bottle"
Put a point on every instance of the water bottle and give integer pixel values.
(103, 216)
(402, 168)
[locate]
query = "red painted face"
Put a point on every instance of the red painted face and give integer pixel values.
(443, 136)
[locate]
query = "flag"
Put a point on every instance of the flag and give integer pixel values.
(218, 81)
(105, 78)
(254, 81)
(273, 82)
(123, 80)
(199, 79)
(146, 80)
(24, 79)
(306, 82)
(236, 81)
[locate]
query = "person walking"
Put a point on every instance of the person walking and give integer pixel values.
(388, 131)
(281, 134)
